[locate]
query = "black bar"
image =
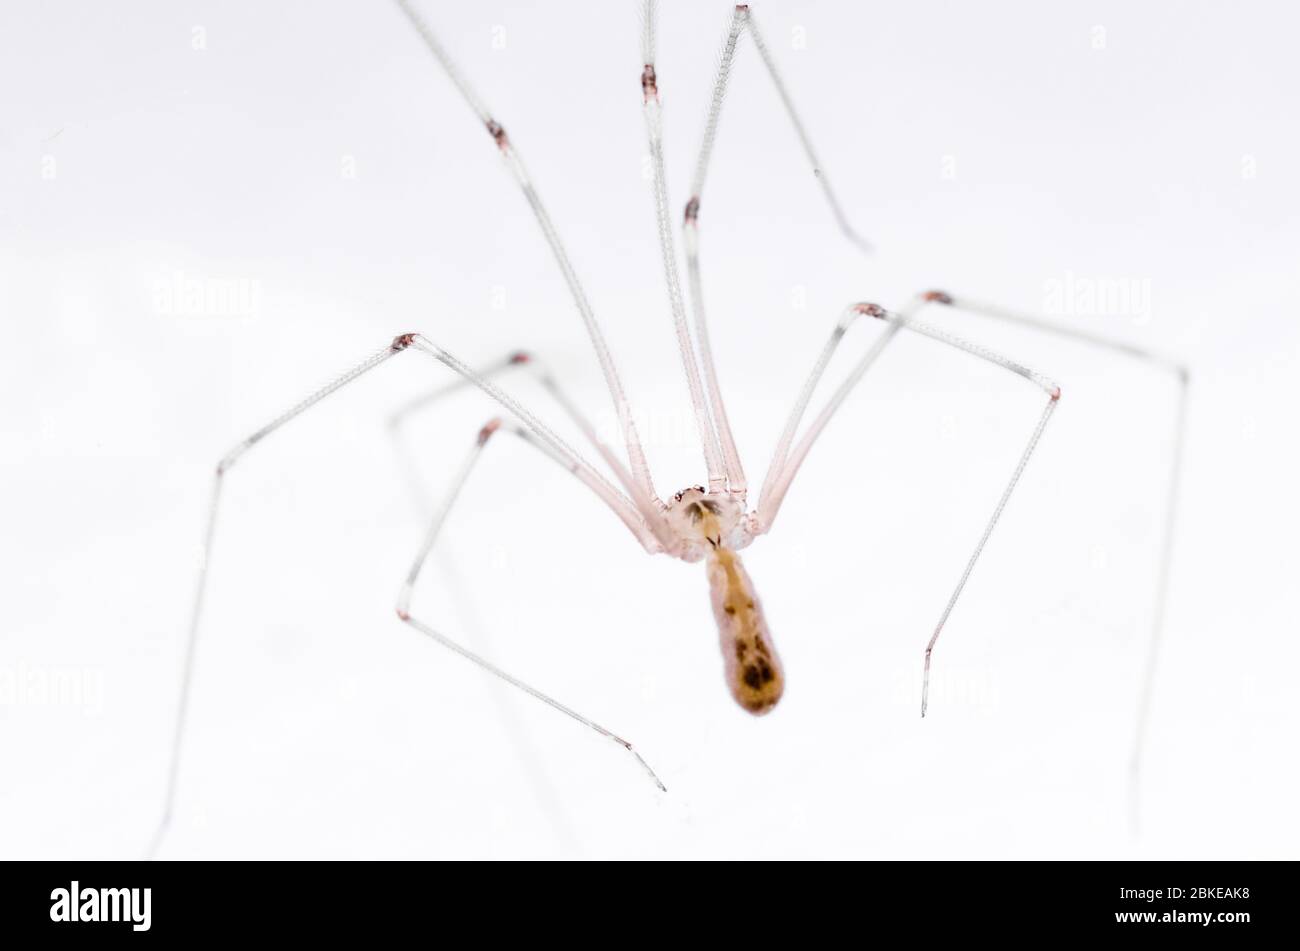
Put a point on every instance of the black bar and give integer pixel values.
(1228, 902)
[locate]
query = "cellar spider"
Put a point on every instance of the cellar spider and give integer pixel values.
(710, 523)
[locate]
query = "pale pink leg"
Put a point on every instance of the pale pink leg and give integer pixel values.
(788, 467)
(742, 21)
(435, 527)
(645, 497)
(719, 474)
(531, 364)
(781, 470)
(1182, 376)
(646, 531)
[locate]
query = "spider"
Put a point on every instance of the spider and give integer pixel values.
(711, 523)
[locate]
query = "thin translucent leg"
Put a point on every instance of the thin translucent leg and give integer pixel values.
(435, 527)
(984, 538)
(644, 519)
(645, 532)
(1162, 605)
(744, 20)
(735, 471)
(718, 474)
(691, 241)
(1053, 395)
(785, 467)
(789, 465)
(645, 497)
(781, 470)
(214, 501)
(1047, 326)
(1181, 374)
(529, 363)
(741, 20)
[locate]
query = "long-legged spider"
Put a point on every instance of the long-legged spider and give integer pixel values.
(710, 523)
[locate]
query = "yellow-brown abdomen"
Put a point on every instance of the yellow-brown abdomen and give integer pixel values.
(753, 669)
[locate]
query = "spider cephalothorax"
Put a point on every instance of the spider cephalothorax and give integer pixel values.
(702, 521)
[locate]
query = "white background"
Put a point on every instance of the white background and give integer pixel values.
(317, 153)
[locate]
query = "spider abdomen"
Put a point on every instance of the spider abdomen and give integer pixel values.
(752, 667)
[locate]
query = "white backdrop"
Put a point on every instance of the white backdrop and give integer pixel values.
(312, 172)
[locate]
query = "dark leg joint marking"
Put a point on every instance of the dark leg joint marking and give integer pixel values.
(491, 426)
(870, 310)
(521, 356)
(937, 297)
(402, 341)
(498, 134)
(693, 209)
(648, 84)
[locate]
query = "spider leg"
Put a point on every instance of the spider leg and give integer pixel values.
(532, 364)
(647, 531)
(781, 469)
(431, 536)
(720, 472)
(742, 20)
(645, 495)
(1174, 479)
(770, 501)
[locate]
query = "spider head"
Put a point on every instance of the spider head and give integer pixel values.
(704, 520)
